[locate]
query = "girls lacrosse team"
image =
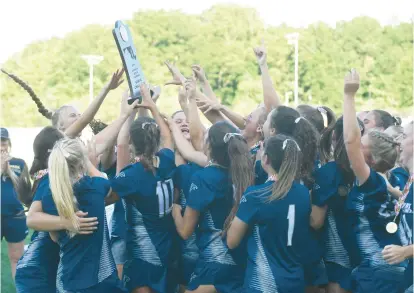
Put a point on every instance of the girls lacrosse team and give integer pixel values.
(282, 201)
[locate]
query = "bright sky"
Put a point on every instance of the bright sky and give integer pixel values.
(25, 21)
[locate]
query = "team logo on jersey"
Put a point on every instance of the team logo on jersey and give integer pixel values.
(407, 208)
(120, 175)
(243, 199)
(316, 186)
(343, 190)
(16, 169)
(193, 187)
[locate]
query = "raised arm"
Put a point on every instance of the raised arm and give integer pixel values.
(107, 137)
(204, 83)
(352, 133)
(206, 106)
(271, 98)
(197, 129)
(185, 148)
(90, 112)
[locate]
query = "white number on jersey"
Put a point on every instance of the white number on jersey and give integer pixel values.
(165, 193)
(291, 218)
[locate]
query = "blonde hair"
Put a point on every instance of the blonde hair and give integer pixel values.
(383, 150)
(67, 162)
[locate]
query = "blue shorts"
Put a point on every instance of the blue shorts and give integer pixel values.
(225, 278)
(139, 273)
(408, 276)
(118, 248)
(315, 274)
(382, 279)
(14, 227)
(340, 275)
(186, 269)
(112, 284)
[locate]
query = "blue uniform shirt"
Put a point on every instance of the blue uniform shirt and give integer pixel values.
(37, 268)
(280, 232)
(10, 205)
(86, 260)
(330, 189)
(211, 194)
(370, 209)
(149, 201)
(398, 178)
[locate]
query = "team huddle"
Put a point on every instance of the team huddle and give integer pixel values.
(284, 200)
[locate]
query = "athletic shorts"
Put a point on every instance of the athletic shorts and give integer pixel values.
(14, 227)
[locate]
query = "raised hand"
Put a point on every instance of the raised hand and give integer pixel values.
(116, 80)
(91, 148)
(147, 101)
(191, 87)
(199, 73)
(178, 78)
(125, 107)
(261, 54)
(156, 93)
(208, 105)
(351, 83)
(182, 96)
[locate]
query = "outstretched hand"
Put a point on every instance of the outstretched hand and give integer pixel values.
(116, 80)
(199, 73)
(147, 102)
(351, 83)
(177, 77)
(261, 54)
(207, 105)
(191, 87)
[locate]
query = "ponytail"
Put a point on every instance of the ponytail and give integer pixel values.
(41, 108)
(96, 125)
(66, 162)
(241, 171)
(288, 170)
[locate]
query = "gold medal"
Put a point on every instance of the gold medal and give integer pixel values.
(391, 227)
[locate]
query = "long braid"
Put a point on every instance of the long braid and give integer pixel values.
(42, 109)
(96, 125)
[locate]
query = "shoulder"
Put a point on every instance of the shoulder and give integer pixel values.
(96, 184)
(166, 154)
(17, 165)
(17, 161)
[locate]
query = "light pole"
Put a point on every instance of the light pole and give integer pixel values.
(293, 39)
(91, 60)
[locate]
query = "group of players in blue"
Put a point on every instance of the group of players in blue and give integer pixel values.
(282, 201)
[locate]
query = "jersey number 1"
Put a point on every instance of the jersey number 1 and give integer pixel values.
(291, 218)
(165, 196)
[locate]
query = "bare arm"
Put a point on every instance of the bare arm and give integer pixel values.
(90, 112)
(185, 148)
(236, 233)
(196, 127)
(204, 83)
(40, 221)
(352, 134)
(318, 216)
(185, 225)
(271, 98)
(235, 118)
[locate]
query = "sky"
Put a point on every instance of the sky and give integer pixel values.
(25, 21)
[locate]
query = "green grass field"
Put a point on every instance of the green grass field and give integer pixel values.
(7, 285)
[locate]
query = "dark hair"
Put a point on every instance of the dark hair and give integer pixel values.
(145, 137)
(316, 116)
(287, 121)
(339, 153)
(285, 158)
(232, 153)
(42, 146)
(53, 116)
(384, 119)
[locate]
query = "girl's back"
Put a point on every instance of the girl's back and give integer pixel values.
(280, 231)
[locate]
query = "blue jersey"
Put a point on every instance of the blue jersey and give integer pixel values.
(182, 181)
(332, 190)
(36, 270)
(86, 260)
(398, 177)
(211, 194)
(10, 205)
(406, 227)
(276, 245)
(149, 200)
(260, 174)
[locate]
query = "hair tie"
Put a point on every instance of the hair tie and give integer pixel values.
(285, 143)
(298, 119)
(149, 123)
(324, 114)
(228, 136)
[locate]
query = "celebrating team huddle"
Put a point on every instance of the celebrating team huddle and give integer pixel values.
(282, 201)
